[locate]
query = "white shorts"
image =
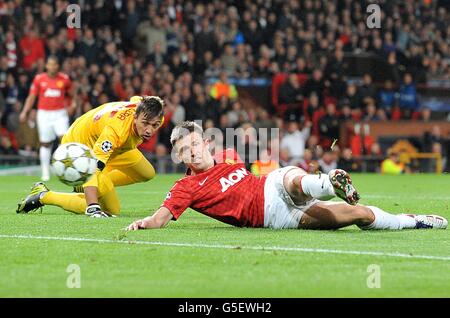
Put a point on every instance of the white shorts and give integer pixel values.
(52, 124)
(280, 212)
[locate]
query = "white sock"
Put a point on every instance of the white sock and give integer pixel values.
(387, 221)
(317, 186)
(45, 154)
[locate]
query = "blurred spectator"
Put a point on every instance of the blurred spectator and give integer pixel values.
(153, 32)
(336, 66)
(328, 161)
(22, 87)
(351, 98)
(214, 69)
(264, 165)
(367, 89)
(179, 114)
(11, 49)
(346, 161)
(6, 145)
(229, 60)
(12, 121)
(395, 69)
(371, 113)
(425, 114)
(32, 49)
(345, 113)
(247, 144)
(377, 48)
(315, 84)
(11, 97)
(131, 22)
(375, 149)
(434, 142)
(160, 154)
(295, 139)
(392, 164)
(436, 148)
(204, 39)
(408, 100)
(314, 111)
(88, 47)
(376, 154)
(2, 106)
(4, 69)
(318, 152)
(156, 56)
(386, 97)
(284, 157)
(223, 88)
(329, 126)
(388, 44)
(403, 36)
(308, 163)
(235, 113)
(265, 124)
(290, 91)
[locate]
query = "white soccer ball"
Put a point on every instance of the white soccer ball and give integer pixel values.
(73, 163)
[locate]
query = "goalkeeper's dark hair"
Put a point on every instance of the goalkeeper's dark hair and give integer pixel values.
(150, 106)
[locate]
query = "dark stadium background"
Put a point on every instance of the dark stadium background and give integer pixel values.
(296, 62)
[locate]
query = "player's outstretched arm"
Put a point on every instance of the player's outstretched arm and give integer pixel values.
(158, 220)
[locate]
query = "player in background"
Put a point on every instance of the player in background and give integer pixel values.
(286, 198)
(113, 130)
(51, 88)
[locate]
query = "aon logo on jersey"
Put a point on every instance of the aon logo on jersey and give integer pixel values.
(50, 92)
(233, 178)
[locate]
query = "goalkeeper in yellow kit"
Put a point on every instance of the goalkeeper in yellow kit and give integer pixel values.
(113, 131)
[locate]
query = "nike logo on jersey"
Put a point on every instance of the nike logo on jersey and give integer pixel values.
(203, 182)
(233, 178)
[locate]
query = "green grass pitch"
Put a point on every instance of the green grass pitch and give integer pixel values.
(199, 257)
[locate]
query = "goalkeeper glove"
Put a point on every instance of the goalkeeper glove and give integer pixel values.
(94, 211)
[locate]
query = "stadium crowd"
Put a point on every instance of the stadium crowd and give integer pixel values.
(169, 48)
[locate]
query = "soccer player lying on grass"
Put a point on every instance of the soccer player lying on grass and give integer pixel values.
(286, 198)
(113, 131)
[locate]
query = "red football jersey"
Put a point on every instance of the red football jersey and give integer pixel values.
(226, 192)
(51, 90)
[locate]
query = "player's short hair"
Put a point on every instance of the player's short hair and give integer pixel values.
(184, 129)
(54, 58)
(150, 106)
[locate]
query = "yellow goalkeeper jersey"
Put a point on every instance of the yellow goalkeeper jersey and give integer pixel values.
(108, 130)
